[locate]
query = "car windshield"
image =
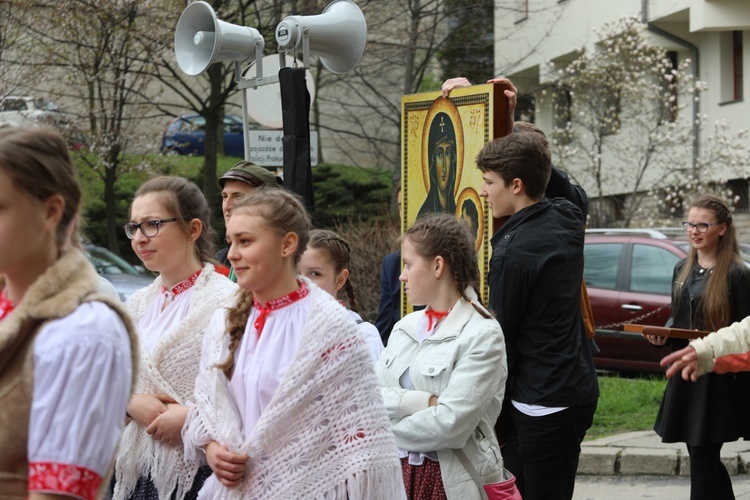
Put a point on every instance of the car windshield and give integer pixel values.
(107, 262)
(45, 105)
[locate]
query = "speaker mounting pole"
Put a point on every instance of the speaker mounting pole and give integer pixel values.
(243, 84)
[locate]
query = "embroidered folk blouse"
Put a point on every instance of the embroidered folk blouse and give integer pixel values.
(80, 361)
(262, 360)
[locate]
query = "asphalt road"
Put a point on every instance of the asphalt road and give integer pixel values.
(651, 487)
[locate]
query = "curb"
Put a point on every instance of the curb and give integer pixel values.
(642, 453)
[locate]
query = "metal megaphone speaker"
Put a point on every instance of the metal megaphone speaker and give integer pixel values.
(201, 39)
(337, 36)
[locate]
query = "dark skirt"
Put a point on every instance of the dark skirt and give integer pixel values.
(423, 482)
(715, 409)
(145, 489)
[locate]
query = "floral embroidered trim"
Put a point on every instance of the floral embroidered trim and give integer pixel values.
(183, 285)
(6, 306)
(275, 304)
(50, 477)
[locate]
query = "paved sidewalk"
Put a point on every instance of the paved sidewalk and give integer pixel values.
(643, 453)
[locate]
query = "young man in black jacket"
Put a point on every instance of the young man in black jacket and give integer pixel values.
(535, 285)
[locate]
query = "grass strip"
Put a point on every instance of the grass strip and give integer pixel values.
(626, 404)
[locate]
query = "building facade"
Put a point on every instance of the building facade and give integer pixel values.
(711, 36)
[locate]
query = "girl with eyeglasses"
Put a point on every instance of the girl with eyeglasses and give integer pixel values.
(711, 289)
(66, 350)
(171, 234)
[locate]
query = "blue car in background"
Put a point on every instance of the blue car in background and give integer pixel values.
(186, 135)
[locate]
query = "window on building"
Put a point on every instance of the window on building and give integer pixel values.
(607, 211)
(740, 198)
(732, 82)
(521, 10)
(669, 109)
(563, 104)
(611, 107)
(737, 63)
(671, 203)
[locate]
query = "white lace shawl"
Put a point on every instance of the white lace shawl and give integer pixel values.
(325, 433)
(171, 368)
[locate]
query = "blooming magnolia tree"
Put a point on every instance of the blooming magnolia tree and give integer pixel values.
(624, 129)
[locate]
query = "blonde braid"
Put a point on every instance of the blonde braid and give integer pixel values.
(236, 323)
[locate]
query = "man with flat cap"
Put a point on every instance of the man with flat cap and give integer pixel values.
(242, 179)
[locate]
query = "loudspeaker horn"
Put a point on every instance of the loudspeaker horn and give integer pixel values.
(337, 36)
(201, 40)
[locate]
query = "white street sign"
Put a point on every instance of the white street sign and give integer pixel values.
(266, 148)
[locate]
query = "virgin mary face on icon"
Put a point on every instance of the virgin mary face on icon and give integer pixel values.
(443, 164)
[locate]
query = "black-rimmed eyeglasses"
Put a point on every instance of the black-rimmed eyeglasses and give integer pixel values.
(149, 228)
(702, 227)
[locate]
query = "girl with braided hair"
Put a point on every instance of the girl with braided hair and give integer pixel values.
(286, 402)
(326, 263)
(443, 372)
(710, 290)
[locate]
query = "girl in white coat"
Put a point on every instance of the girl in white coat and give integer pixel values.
(443, 372)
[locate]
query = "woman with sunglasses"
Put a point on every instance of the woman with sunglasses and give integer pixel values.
(710, 290)
(170, 232)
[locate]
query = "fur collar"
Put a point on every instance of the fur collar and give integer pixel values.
(55, 294)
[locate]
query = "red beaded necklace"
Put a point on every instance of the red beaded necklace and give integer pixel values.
(182, 286)
(272, 305)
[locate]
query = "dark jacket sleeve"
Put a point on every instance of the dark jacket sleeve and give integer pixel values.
(390, 290)
(559, 186)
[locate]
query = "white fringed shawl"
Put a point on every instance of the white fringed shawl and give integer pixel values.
(325, 433)
(171, 368)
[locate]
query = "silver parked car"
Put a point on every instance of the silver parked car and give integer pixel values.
(126, 278)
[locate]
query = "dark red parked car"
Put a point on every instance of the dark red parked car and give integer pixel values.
(628, 274)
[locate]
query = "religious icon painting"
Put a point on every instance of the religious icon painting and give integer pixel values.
(440, 139)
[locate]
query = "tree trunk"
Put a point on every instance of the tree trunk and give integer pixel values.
(110, 202)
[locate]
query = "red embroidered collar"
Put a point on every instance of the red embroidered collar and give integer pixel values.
(6, 306)
(183, 285)
(273, 305)
(433, 317)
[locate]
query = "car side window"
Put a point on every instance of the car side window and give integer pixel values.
(13, 105)
(198, 123)
(601, 262)
(651, 269)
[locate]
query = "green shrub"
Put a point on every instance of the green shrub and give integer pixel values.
(345, 193)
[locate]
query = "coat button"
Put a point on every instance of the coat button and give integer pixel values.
(431, 370)
(507, 236)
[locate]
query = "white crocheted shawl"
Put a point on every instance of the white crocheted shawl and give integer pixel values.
(325, 433)
(171, 368)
